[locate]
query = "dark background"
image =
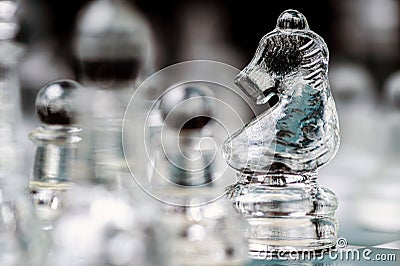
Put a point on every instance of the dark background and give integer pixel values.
(343, 24)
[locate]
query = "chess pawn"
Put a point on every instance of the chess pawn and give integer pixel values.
(106, 221)
(278, 154)
(113, 53)
(55, 140)
(377, 205)
(200, 231)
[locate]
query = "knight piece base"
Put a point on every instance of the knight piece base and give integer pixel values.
(286, 214)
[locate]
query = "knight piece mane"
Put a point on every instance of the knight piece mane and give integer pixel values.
(308, 53)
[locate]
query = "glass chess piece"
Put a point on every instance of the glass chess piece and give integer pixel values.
(377, 205)
(55, 152)
(199, 230)
(107, 221)
(10, 107)
(278, 154)
(20, 243)
(20, 240)
(102, 227)
(113, 53)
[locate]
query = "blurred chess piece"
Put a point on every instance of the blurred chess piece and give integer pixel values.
(19, 240)
(10, 106)
(377, 206)
(102, 227)
(199, 230)
(278, 154)
(112, 46)
(107, 220)
(55, 152)
(113, 52)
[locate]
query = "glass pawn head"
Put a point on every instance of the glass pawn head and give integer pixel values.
(55, 103)
(289, 57)
(187, 107)
(112, 45)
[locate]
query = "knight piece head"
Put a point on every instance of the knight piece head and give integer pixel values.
(300, 133)
(287, 58)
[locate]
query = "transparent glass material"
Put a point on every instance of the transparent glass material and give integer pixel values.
(55, 152)
(100, 217)
(10, 100)
(10, 110)
(113, 53)
(210, 234)
(20, 242)
(278, 153)
(108, 220)
(101, 227)
(82, 187)
(200, 230)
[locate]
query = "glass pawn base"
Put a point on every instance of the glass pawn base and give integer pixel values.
(286, 214)
(48, 201)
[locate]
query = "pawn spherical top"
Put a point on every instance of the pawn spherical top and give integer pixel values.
(292, 20)
(187, 106)
(55, 102)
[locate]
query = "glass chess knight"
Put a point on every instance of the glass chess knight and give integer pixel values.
(278, 154)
